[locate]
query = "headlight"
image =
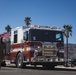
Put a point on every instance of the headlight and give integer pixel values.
(32, 49)
(28, 49)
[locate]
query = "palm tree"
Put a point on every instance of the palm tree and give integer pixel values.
(67, 32)
(8, 28)
(27, 20)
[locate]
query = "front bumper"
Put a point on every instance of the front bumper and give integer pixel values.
(46, 59)
(39, 60)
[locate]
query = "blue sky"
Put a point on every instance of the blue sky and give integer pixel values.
(42, 12)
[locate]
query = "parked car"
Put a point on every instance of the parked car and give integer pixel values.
(72, 62)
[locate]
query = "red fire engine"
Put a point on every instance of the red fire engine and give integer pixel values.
(35, 45)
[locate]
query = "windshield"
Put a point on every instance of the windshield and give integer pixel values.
(45, 35)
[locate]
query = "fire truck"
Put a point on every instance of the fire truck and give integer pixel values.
(35, 45)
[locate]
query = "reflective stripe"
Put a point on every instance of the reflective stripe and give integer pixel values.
(17, 49)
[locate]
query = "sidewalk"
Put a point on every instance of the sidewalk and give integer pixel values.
(66, 67)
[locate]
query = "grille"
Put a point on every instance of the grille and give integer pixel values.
(49, 50)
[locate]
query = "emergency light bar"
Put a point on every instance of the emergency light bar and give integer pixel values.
(37, 26)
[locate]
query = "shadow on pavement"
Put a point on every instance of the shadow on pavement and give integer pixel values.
(53, 69)
(42, 68)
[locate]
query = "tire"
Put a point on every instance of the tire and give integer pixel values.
(3, 64)
(19, 61)
(72, 65)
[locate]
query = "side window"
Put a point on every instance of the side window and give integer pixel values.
(15, 36)
(25, 35)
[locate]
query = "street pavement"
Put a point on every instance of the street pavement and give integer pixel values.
(39, 70)
(31, 70)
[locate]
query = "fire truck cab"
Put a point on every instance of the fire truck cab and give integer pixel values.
(36, 45)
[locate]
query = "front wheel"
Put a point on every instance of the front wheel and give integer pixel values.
(72, 65)
(19, 61)
(3, 63)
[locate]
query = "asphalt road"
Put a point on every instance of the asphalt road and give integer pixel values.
(59, 70)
